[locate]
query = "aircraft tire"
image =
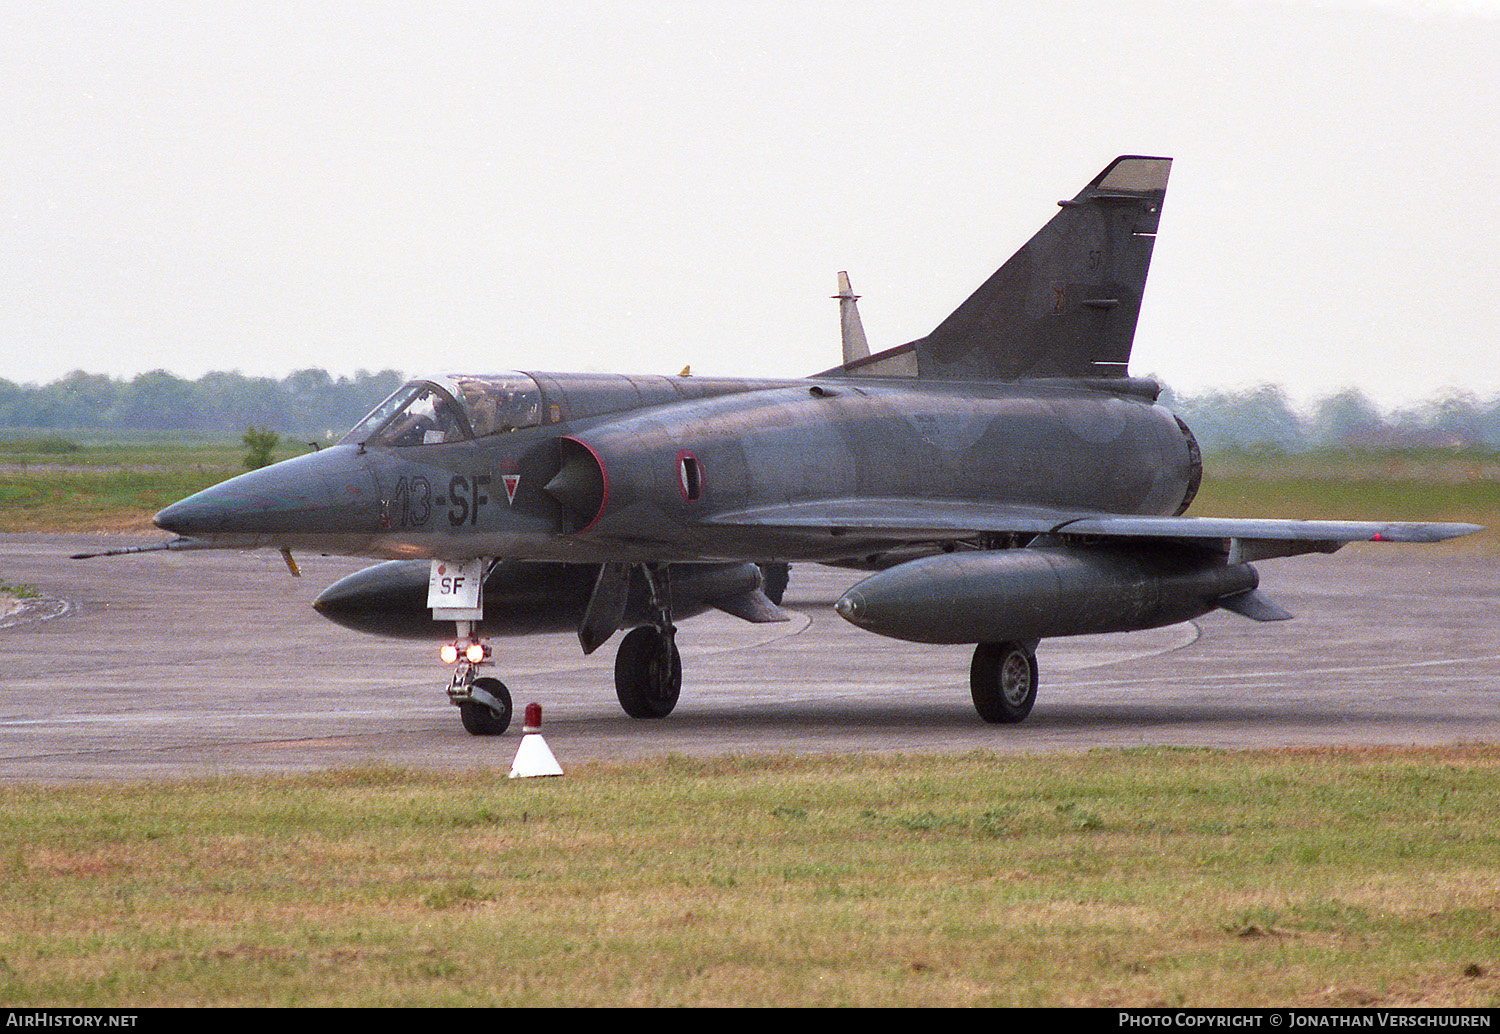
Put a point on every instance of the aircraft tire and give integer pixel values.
(1003, 681)
(648, 673)
(481, 719)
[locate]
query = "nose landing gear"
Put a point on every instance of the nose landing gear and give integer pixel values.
(484, 704)
(487, 710)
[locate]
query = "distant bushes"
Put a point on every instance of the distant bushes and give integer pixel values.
(259, 443)
(52, 445)
(308, 403)
(1262, 419)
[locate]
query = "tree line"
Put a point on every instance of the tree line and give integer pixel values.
(1263, 419)
(312, 403)
(307, 404)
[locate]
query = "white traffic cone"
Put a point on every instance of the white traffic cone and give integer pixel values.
(534, 757)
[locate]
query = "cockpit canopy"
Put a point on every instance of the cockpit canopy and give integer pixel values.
(451, 409)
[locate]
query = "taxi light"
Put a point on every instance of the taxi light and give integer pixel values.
(474, 653)
(449, 653)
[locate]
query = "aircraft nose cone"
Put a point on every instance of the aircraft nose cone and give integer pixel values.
(326, 493)
(192, 517)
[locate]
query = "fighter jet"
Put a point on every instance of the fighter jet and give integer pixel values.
(1001, 480)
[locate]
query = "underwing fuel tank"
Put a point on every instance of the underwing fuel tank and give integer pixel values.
(522, 598)
(1039, 592)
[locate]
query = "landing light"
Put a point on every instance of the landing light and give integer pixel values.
(473, 653)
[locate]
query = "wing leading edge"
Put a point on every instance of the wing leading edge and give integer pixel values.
(940, 519)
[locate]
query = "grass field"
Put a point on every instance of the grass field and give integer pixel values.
(1140, 877)
(76, 483)
(1416, 486)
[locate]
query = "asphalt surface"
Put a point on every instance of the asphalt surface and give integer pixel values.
(173, 665)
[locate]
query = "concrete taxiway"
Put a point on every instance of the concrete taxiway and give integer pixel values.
(171, 665)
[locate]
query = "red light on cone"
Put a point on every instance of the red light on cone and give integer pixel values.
(534, 757)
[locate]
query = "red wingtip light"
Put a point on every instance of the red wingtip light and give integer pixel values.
(1377, 537)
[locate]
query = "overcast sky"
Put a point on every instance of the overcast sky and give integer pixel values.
(636, 186)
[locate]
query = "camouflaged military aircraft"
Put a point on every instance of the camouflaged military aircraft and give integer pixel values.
(1004, 477)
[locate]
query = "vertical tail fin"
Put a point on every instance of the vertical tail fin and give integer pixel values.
(1066, 304)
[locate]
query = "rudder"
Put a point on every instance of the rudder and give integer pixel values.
(1066, 304)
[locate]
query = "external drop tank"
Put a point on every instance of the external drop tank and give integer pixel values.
(1038, 592)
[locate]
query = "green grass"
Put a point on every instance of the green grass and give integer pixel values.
(72, 482)
(1136, 877)
(1170, 877)
(1424, 485)
(85, 448)
(82, 499)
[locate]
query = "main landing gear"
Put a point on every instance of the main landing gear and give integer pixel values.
(648, 668)
(1003, 680)
(648, 672)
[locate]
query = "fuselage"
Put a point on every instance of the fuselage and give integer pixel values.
(653, 468)
(1003, 474)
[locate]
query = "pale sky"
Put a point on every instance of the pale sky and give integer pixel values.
(638, 186)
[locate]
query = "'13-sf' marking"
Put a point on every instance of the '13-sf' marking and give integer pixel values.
(412, 502)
